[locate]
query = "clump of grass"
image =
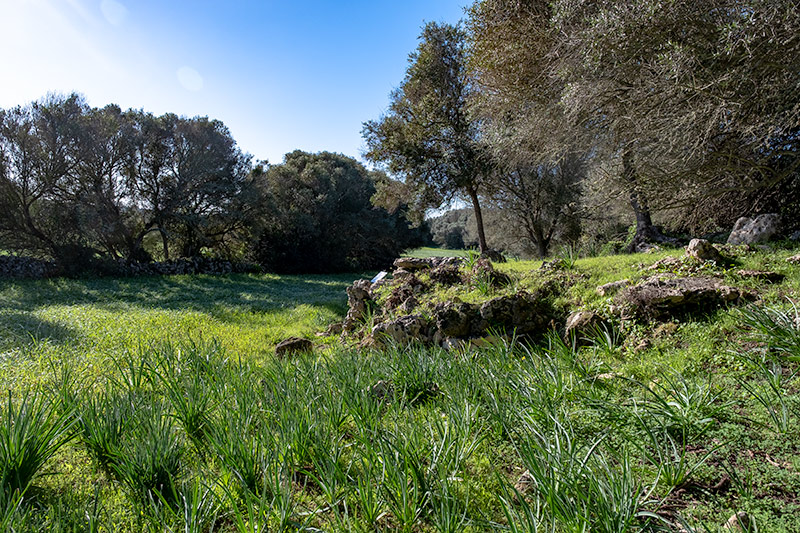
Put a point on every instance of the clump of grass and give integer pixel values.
(102, 422)
(149, 460)
(779, 329)
(32, 429)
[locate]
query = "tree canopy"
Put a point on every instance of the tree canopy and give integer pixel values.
(428, 136)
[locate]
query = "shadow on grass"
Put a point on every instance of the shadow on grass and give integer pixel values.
(19, 329)
(217, 296)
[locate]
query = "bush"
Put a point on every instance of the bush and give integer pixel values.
(318, 218)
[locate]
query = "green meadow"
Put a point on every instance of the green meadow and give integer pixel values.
(157, 404)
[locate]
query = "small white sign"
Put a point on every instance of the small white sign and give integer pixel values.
(380, 276)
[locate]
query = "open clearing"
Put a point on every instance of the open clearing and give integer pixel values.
(171, 413)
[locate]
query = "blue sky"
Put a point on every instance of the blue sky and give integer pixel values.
(281, 75)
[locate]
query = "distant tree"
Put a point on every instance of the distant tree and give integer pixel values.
(317, 217)
(541, 199)
(104, 202)
(427, 136)
(188, 179)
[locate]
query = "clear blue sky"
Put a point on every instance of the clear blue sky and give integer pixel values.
(281, 75)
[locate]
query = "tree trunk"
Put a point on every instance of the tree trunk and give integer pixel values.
(476, 206)
(646, 232)
(164, 243)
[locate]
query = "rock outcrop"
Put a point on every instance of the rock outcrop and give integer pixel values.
(755, 230)
(292, 346)
(359, 299)
(402, 331)
(665, 296)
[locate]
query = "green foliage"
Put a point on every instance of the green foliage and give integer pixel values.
(317, 217)
(32, 429)
(612, 435)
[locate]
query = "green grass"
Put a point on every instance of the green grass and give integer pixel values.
(156, 404)
(435, 252)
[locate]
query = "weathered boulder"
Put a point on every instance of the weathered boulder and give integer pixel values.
(403, 331)
(359, 298)
(446, 274)
(454, 319)
(580, 325)
(665, 296)
(411, 263)
(521, 312)
(702, 250)
(483, 270)
(292, 346)
(613, 287)
(755, 230)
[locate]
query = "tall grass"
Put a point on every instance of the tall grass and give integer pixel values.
(32, 430)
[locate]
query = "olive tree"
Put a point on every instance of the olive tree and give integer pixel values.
(428, 136)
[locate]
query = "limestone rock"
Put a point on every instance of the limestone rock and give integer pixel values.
(665, 296)
(522, 313)
(382, 390)
(359, 298)
(702, 250)
(739, 523)
(402, 331)
(454, 319)
(611, 288)
(668, 263)
(292, 346)
(763, 275)
(524, 484)
(581, 324)
(755, 230)
(446, 274)
(411, 263)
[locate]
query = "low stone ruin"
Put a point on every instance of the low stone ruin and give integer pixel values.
(667, 295)
(520, 314)
(16, 267)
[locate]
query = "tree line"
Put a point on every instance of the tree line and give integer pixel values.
(84, 186)
(556, 114)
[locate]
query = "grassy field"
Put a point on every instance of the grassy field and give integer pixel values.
(157, 404)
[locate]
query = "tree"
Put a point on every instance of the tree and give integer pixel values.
(541, 199)
(188, 179)
(678, 99)
(105, 204)
(317, 217)
(40, 148)
(427, 136)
